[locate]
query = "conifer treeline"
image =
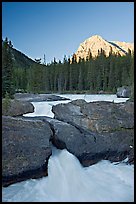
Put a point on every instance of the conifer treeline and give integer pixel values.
(7, 69)
(93, 75)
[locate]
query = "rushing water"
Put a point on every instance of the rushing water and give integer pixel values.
(67, 180)
(44, 108)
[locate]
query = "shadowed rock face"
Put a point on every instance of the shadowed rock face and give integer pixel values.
(25, 149)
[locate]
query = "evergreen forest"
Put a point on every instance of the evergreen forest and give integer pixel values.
(92, 75)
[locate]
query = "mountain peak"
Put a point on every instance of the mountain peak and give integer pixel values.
(96, 37)
(96, 42)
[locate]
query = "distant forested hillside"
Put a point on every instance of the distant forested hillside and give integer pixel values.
(93, 75)
(21, 60)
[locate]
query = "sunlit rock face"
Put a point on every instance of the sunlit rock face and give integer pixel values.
(124, 45)
(95, 43)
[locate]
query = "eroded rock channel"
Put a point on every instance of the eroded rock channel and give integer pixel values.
(91, 131)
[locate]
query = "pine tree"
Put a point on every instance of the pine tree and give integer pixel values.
(7, 69)
(80, 76)
(74, 58)
(44, 60)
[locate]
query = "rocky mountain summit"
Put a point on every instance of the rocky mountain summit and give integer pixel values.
(95, 43)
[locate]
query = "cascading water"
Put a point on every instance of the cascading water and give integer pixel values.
(67, 180)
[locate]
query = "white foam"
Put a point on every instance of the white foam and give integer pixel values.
(44, 108)
(68, 181)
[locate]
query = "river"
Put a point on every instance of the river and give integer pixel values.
(67, 180)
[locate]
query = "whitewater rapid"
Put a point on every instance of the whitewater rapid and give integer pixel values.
(67, 180)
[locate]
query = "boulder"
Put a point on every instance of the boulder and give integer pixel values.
(90, 147)
(16, 107)
(123, 92)
(38, 97)
(102, 116)
(25, 149)
(106, 129)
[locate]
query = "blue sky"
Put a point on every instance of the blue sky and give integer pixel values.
(57, 28)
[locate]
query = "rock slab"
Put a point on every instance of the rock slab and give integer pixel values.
(106, 129)
(25, 149)
(16, 107)
(88, 146)
(38, 97)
